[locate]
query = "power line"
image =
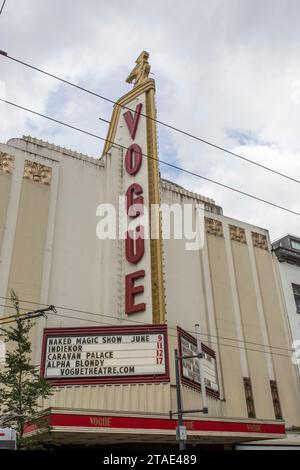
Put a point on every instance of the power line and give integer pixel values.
(143, 323)
(2, 6)
(175, 336)
(176, 129)
(137, 322)
(170, 165)
(28, 315)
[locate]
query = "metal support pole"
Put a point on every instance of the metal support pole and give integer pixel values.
(180, 426)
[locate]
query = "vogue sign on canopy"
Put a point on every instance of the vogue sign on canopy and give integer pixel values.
(93, 355)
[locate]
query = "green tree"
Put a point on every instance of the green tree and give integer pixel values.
(21, 385)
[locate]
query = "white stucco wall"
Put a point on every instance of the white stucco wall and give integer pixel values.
(228, 287)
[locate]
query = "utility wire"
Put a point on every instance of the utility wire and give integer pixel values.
(175, 336)
(26, 314)
(170, 165)
(14, 317)
(2, 6)
(176, 129)
(140, 323)
(136, 322)
(211, 342)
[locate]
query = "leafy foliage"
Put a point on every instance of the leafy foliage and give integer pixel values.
(21, 385)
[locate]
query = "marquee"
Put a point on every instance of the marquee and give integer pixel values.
(105, 355)
(190, 372)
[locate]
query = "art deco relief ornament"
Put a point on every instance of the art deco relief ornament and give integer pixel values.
(259, 241)
(37, 172)
(6, 163)
(237, 234)
(214, 227)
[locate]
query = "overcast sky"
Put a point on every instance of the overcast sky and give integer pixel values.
(226, 71)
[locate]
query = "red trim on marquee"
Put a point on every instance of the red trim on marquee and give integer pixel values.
(126, 422)
(107, 330)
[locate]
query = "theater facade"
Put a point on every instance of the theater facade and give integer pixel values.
(127, 298)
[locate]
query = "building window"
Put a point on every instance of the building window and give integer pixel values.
(295, 244)
(249, 397)
(275, 398)
(296, 290)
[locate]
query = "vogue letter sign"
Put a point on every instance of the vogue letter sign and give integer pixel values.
(134, 240)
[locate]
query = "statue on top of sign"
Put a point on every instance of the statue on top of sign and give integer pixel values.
(141, 71)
